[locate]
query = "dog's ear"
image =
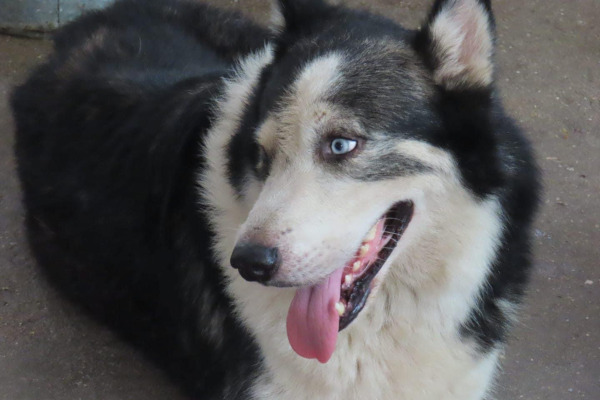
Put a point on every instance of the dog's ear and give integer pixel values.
(458, 43)
(291, 14)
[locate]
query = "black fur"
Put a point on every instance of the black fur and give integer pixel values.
(296, 13)
(243, 149)
(108, 143)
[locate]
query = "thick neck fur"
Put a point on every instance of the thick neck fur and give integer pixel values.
(406, 344)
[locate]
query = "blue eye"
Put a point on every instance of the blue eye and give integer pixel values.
(341, 146)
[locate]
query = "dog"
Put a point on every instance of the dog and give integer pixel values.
(332, 207)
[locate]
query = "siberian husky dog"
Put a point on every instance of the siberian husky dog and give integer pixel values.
(332, 208)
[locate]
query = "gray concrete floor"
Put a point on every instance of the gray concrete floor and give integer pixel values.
(549, 75)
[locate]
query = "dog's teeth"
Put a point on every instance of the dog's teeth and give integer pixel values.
(371, 235)
(356, 266)
(364, 249)
(340, 308)
(348, 279)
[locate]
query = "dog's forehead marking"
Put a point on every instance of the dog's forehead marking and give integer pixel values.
(317, 80)
(293, 123)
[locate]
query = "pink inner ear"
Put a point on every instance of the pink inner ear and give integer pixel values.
(463, 39)
(475, 28)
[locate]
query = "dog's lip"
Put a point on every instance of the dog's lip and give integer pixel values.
(354, 297)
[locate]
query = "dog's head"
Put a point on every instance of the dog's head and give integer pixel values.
(365, 155)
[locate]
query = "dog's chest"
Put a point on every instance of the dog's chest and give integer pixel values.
(409, 360)
(417, 371)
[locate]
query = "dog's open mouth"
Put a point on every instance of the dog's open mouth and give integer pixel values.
(319, 312)
(378, 244)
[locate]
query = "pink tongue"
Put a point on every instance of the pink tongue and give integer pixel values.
(312, 321)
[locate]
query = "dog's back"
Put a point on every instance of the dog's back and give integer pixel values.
(108, 142)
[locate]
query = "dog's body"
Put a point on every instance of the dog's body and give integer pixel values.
(146, 155)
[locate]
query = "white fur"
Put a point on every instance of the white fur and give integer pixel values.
(463, 44)
(429, 155)
(405, 344)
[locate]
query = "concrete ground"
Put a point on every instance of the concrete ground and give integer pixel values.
(549, 75)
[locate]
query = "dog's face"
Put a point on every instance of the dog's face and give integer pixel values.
(330, 164)
(352, 157)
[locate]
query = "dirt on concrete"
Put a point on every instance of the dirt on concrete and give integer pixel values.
(548, 55)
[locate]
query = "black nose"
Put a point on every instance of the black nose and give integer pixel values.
(254, 262)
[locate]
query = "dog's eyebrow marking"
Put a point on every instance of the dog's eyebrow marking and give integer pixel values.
(408, 157)
(389, 166)
(431, 156)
